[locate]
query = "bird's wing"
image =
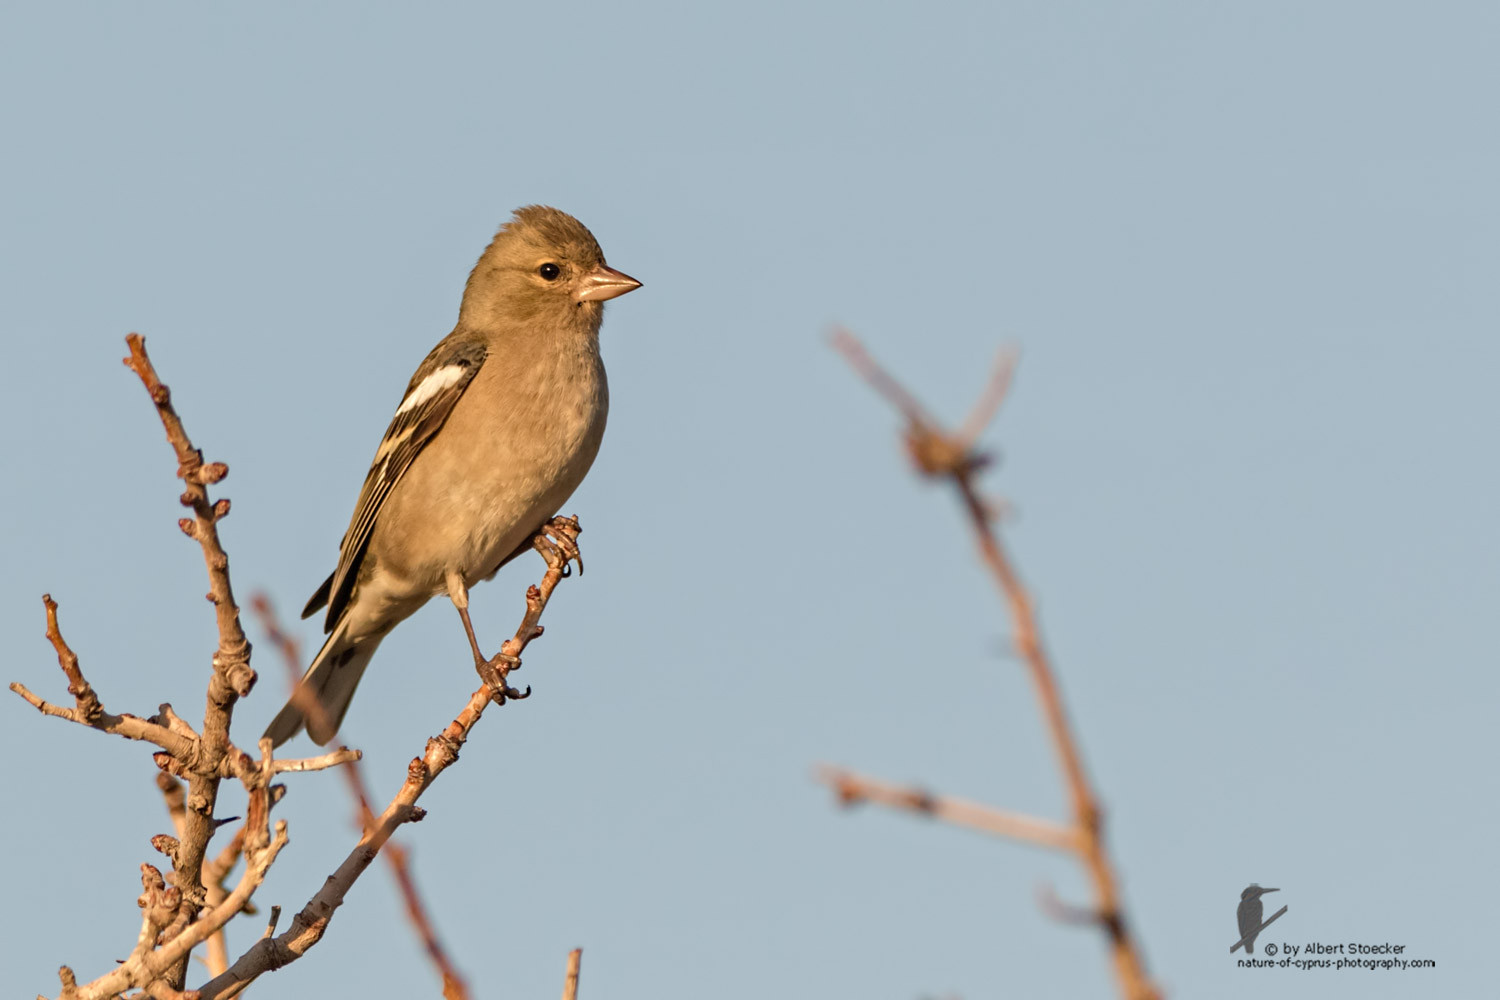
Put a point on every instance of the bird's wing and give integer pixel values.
(430, 396)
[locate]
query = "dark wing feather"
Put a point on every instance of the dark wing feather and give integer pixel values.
(319, 598)
(452, 366)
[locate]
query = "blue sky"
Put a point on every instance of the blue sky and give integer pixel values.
(1247, 252)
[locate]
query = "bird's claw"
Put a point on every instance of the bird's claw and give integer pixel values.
(557, 541)
(494, 671)
(504, 692)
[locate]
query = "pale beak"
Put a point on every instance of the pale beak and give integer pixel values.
(604, 283)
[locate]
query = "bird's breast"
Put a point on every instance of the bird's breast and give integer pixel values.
(518, 443)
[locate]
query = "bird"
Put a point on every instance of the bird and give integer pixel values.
(1249, 913)
(495, 431)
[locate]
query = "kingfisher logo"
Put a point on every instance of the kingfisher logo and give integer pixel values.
(1250, 917)
(1249, 914)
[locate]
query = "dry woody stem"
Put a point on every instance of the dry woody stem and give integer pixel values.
(852, 789)
(190, 903)
(454, 986)
(952, 456)
(570, 981)
(232, 677)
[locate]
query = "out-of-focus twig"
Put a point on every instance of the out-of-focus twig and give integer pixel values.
(215, 871)
(570, 981)
(454, 987)
(853, 789)
(953, 457)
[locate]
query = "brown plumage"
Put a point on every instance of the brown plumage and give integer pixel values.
(496, 430)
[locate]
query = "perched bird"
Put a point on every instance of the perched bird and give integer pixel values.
(496, 430)
(1249, 914)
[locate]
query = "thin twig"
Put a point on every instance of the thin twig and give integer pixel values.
(343, 755)
(232, 676)
(215, 872)
(989, 401)
(88, 710)
(308, 704)
(175, 798)
(570, 981)
(853, 789)
(145, 969)
(940, 454)
(163, 949)
(454, 987)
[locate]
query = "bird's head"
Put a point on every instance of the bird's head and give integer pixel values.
(1253, 891)
(542, 265)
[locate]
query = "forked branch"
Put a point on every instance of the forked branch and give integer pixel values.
(952, 456)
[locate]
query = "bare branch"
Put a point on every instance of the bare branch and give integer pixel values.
(570, 982)
(88, 710)
(141, 970)
(989, 401)
(232, 661)
(454, 987)
(232, 677)
(190, 905)
(847, 344)
(853, 789)
(215, 872)
(343, 755)
(940, 454)
(175, 798)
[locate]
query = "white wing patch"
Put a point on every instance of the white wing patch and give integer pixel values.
(430, 386)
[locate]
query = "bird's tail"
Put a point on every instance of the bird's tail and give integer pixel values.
(1250, 947)
(332, 678)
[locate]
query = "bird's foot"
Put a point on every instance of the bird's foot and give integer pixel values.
(494, 672)
(557, 541)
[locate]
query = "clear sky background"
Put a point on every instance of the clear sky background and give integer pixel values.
(1248, 252)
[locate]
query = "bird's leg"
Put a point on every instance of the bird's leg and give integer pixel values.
(493, 678)
(458, 593)
(557, 541)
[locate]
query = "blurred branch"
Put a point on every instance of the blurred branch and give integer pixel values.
(853, 789)
(953, 457)
(570, 981)
(454, 987)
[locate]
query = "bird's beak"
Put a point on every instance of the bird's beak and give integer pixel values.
(1264, 891)
(604, 283)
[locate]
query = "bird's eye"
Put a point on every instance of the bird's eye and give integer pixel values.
(549, 271)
